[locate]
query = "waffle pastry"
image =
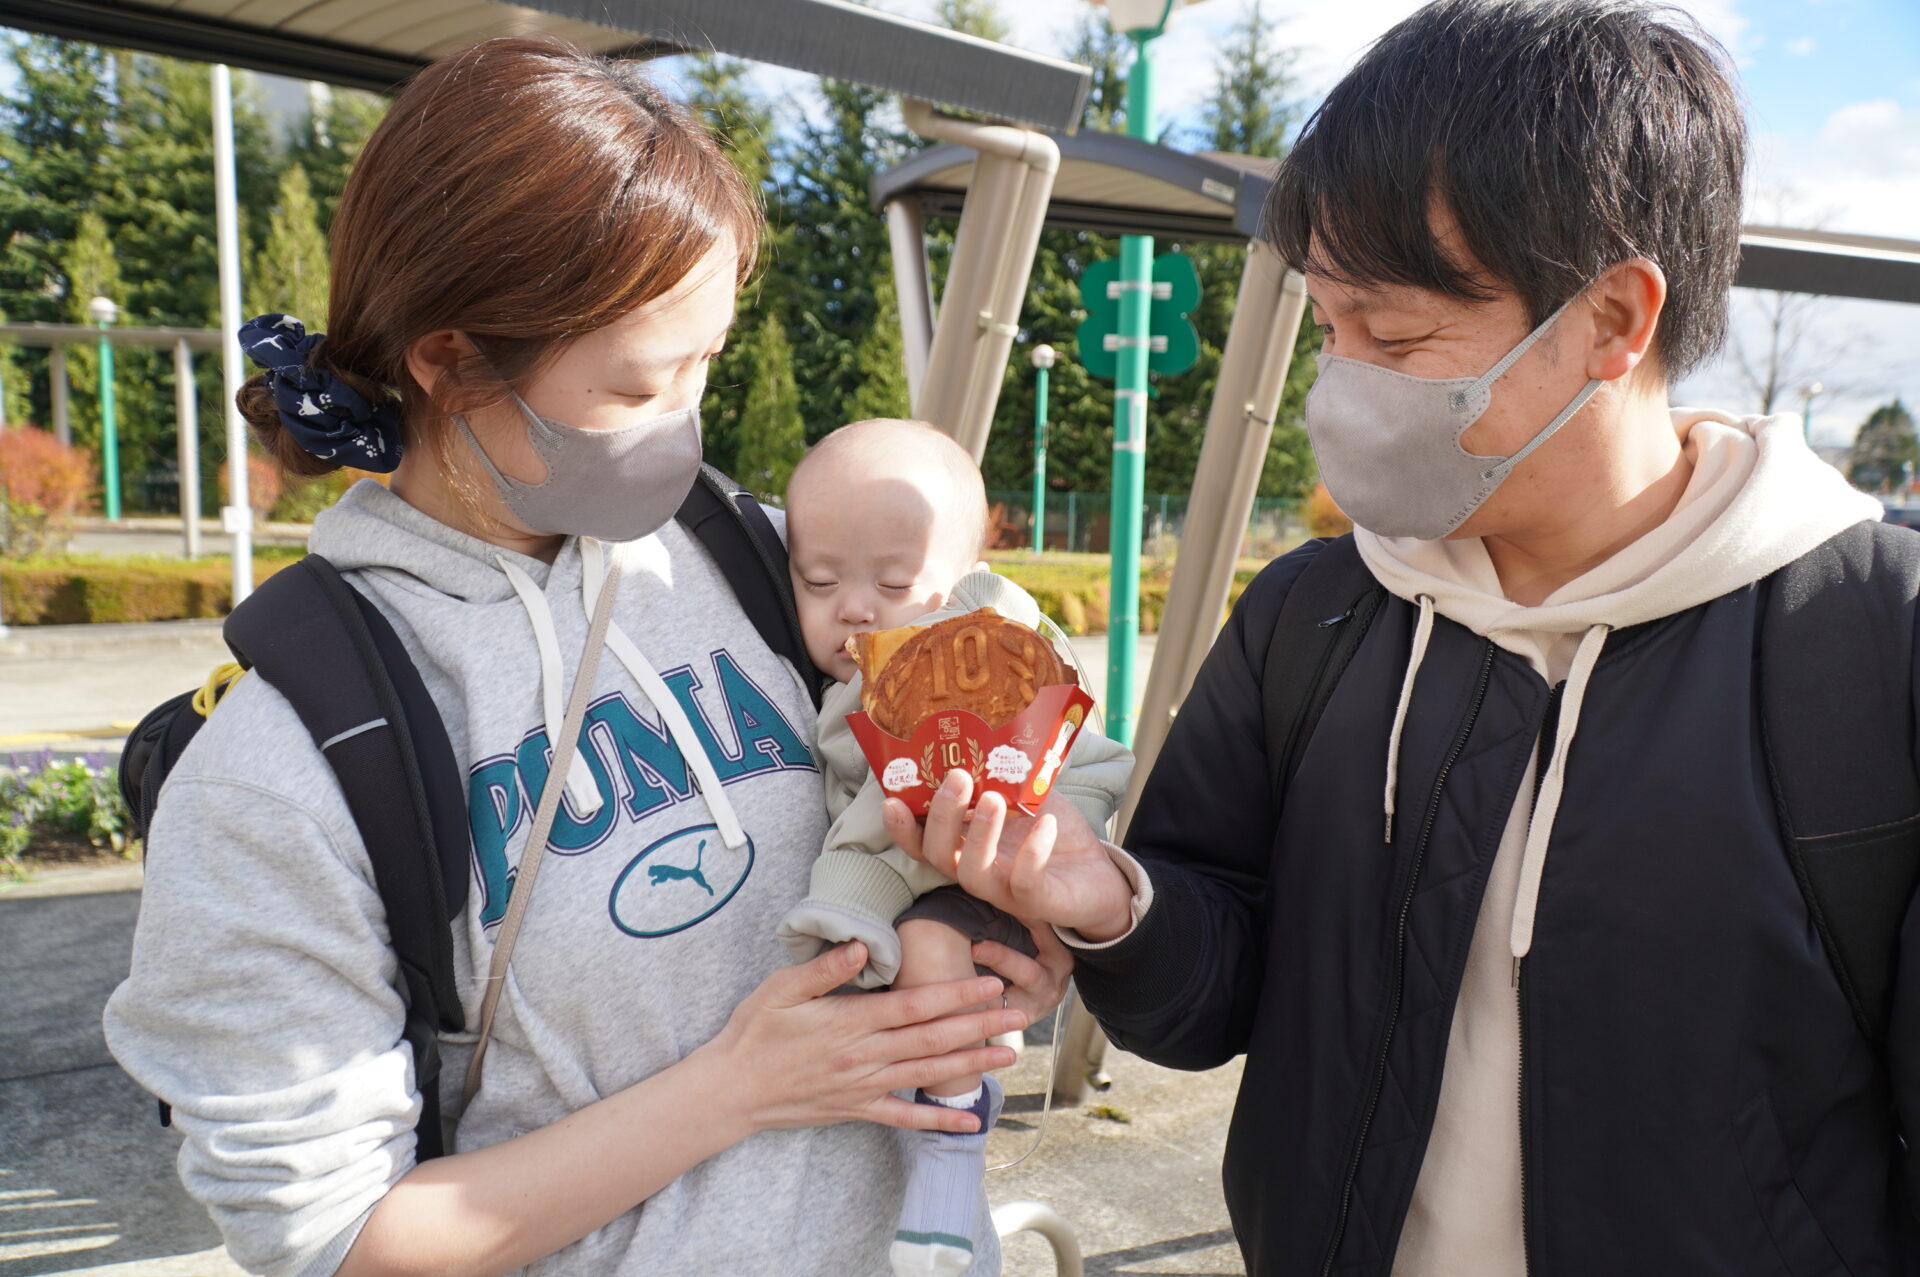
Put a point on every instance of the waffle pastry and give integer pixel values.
(980, 662)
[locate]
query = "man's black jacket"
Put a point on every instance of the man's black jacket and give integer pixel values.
(1695, 1095)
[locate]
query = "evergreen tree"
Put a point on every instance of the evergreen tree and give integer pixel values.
(833, 249)
(1080, 411)
(1886, 452)
(974, 17)
(159, 209)
(290, 272)
(54, 153)
(744, 127)
(880, 360)
(1252, 110)
(329, 140)
(90, 271)
(772, 434)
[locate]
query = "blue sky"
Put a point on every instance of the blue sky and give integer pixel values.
(1803, 61)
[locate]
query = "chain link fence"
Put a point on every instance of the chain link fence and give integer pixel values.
(1082, 522)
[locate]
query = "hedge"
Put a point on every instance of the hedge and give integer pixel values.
(79, 590)
(1073, 589)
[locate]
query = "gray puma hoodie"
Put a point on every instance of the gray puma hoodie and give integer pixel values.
(262, 1002)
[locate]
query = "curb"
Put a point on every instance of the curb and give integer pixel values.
(89, 881)
(88, 740)
(64, 642)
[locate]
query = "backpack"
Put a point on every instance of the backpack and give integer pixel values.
(1836, 693)
(325, 647)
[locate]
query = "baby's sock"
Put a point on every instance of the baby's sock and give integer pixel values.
(945, 1190)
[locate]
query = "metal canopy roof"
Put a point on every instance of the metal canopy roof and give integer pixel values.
(1116, 185)
(1108, 183)
(375, 44)
(1871, 267)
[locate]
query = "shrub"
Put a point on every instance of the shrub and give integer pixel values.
(1324, 518)
(264, 485)
(74, 591)
(303, 500)
(42, 484)
(75, 800)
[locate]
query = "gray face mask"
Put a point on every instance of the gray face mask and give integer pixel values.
(1389, 444)
(612, 485)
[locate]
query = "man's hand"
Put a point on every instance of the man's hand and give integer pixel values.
(1051, 868)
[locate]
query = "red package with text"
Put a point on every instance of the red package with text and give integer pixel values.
(980, 693)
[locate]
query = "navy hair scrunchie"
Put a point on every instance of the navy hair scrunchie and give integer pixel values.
(325, 415)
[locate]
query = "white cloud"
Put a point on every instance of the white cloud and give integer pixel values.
(1802, 47)
(1862, 168)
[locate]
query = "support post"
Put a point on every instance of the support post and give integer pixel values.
(992, 258)
(57, 375)
(913, 287)
(1253, 373)
(1130, 423)
(186, 415)
(237, 516)
(109, 428)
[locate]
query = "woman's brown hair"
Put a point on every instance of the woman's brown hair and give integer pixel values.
(525, 194)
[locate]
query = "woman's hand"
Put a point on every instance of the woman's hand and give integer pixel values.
(1035, 985)
(1051, 868)
(794, 1056)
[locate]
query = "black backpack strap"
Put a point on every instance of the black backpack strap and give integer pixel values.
(333, 656)
(725, 518)
(1837, 725)
(1326, 613)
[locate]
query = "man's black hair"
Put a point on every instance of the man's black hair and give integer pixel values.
(1563, 135)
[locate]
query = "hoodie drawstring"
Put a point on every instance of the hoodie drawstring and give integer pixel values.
(1422, 632)
(671, 712)
(1533, 861)
(580, 786)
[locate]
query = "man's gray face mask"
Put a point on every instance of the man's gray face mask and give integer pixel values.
(612, 485)
(1389, 444)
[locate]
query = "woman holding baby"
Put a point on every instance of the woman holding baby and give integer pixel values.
(533, 262)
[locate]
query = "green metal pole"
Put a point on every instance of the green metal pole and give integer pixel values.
(1040, 378)
(1130, 422)
(109, 427)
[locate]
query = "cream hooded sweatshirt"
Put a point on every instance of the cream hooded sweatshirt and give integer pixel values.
(1758, 499)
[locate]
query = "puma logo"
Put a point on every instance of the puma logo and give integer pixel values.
(657, 874)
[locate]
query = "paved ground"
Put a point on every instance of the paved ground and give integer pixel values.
(79, 688)
(87, 1183)
(86, 1173)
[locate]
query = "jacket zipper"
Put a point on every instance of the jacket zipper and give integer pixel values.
(1319, 673)
(1550, 732)
(1526, 1204)
(1400, 955)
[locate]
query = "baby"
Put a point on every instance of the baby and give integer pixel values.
(886, 521)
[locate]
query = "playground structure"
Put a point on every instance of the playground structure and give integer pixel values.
(1003, 180)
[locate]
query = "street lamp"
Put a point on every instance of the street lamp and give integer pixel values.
(103, 313)
(1043, 357)
(1808, 393)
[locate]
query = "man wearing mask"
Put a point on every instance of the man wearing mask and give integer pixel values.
(1511, 907)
